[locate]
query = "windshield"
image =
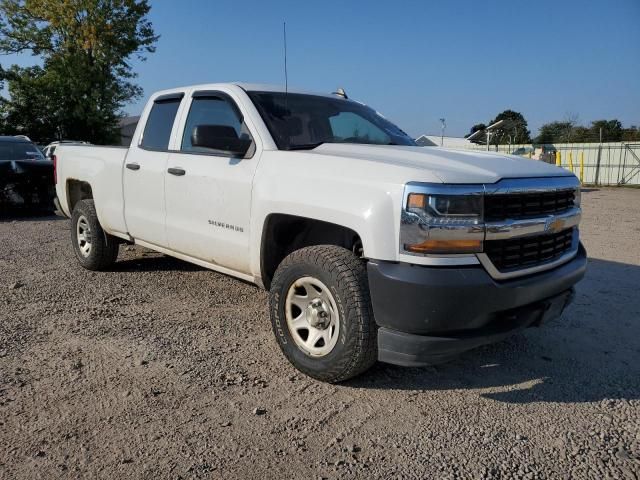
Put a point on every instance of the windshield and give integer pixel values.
(19, 151)
(299, 121)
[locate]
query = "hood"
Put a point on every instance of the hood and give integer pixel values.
(449, 165)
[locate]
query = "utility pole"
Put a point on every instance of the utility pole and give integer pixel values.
(444, 125)
(597, 179)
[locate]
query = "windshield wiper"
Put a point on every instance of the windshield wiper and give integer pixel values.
(305, 146)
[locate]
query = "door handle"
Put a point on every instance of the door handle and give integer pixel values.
(178, 172)
(133, 166)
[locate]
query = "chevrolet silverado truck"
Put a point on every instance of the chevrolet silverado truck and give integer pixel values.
(371, 247)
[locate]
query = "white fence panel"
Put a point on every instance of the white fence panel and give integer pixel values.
(614, 163)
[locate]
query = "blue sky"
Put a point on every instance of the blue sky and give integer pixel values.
(413, 61)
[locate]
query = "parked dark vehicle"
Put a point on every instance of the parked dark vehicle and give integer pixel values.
(26, 176)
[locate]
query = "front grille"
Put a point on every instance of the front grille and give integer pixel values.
(517, 253)
(523, 205)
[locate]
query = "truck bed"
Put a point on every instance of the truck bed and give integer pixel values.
(101, 167)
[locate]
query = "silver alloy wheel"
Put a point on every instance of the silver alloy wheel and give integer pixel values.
(312, 316)
(83, 235)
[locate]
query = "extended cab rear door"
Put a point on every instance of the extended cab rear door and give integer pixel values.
(208, 192)
(144, 172)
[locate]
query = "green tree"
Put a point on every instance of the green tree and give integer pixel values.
(31, 110)
(631, 134)
(515, 132)
(555, 132)
(581, 134)
(568, 132)
(611, 130)
(85, 48)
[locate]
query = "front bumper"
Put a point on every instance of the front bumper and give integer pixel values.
(428, 315)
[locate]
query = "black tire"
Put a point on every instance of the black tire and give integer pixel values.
(103, 247)
(345, 275)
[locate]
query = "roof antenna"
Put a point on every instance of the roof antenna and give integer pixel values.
(286, 79)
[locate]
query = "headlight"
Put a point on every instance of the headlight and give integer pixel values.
(442, 223)
(445, 206)
(577, 198)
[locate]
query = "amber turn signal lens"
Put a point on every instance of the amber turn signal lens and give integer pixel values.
(417, 200)
(446, 246)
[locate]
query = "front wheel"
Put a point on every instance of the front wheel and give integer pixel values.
(321, 313)
(94, 248)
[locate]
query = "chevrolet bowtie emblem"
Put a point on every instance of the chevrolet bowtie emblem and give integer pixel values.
(554, 225)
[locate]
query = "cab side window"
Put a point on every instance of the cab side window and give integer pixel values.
(157, 131)
(213, 110)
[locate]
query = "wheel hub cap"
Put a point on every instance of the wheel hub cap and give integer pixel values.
(312, 316)
(83, 236)
(319, 314)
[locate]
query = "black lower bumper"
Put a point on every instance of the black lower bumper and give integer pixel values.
(427, 315)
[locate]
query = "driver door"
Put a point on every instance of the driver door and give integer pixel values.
(208, 192)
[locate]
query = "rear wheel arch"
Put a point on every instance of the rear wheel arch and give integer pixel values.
(77, 190)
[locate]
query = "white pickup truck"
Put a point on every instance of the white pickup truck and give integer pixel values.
(372, 248)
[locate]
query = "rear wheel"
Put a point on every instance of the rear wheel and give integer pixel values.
(321, 313)
(94, 249)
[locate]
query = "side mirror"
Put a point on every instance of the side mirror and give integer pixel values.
(220, 137)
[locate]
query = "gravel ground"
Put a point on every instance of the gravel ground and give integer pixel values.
(160, 369)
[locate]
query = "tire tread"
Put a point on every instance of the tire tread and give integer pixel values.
(350, 275)
(104, 247)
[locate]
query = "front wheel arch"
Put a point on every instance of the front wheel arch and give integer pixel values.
(283, 234)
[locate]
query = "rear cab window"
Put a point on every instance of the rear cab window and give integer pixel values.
(157, 131)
